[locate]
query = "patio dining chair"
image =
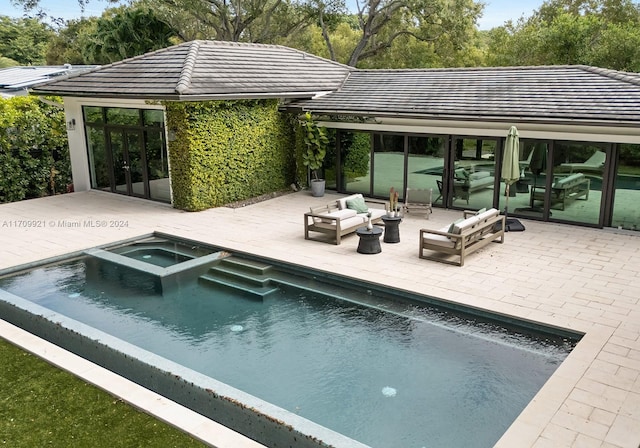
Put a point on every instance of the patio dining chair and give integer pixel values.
(418, 200)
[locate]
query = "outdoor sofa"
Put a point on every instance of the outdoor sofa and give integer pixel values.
(451, 244)
(564, 190)
(341, 217)
(465, 183)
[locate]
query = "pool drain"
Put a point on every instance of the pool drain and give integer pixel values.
(237, 328)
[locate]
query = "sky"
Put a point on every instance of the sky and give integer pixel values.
(495, 14)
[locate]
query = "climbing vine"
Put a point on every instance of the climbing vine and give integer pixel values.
(226, 151)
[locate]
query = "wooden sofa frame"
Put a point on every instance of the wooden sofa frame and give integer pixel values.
(563, 195)
(317, 221)
(468, 241)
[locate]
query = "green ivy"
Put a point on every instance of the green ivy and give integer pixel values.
(34, 151)
(226, 151)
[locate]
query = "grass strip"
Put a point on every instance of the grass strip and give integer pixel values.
(41, 405)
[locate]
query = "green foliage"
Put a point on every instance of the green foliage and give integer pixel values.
(68, 44)
(34, 153)
(24, 40)
(46, 406)
(356, 147)
(601, 33)
(226, 151)
(315, 143)
(126, 32)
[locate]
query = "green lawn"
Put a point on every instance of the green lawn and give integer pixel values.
(41, 405)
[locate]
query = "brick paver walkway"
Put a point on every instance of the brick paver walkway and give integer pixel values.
(568, 276)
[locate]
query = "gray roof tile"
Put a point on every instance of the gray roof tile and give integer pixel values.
(208, 70)
(545, 93)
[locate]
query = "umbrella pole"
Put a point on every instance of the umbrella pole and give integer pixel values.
(506, 203)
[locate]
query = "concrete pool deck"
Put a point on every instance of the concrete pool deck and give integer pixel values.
(567, 276)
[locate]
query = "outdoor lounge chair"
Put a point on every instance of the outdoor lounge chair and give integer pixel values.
(594, 164)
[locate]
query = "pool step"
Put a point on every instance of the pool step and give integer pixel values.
(240, 264)
(243, 276)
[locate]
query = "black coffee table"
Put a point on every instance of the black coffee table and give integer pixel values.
(369, 240)
(391, 229)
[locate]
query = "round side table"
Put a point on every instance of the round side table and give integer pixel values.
(369, 240)
(391, 229)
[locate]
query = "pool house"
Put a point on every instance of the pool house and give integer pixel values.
(203, 123)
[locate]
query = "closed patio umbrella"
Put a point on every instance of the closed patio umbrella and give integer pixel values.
(511, 172)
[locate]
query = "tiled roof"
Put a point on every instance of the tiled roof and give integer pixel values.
(200, 70)
(544, 93)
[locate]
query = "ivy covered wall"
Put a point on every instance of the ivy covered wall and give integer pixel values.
(226, 151)
(34, 151)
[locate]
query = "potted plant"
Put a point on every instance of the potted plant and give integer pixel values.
(316, 141)
(393, 203)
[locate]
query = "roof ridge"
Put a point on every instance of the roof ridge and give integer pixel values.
(613, 74)
(304, 54)
(187, 69)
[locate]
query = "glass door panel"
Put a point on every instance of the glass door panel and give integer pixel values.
(136, 165)
(626, 213)
(425, 164)
(355, 160)
(120, 165)
(575, 189)
(157, 166)
(474, 173)
(388, 164)
(98, 160)
(527, 196)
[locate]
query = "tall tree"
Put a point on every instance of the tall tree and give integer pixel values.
(24, 40)
(126, 32)
(604, 33)
(382, 22)
(67, 45)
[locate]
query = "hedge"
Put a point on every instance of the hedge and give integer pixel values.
(226, 151)
(34, 151)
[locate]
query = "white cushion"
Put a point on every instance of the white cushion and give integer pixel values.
(565, 181)
(487, 214)
(438, 240)
(478, 175)
(462, 226)
(377, 213)
(342, 203)
(342, 214)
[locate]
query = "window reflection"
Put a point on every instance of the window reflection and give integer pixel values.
(388, 164)
(626, 213)
(355, 157)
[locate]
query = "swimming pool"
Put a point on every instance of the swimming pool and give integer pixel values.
(376, 367)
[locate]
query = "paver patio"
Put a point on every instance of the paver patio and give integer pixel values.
(573, 277)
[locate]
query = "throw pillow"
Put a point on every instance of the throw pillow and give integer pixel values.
(482, 210)
(461, 174)
(358, 205)
(453, 224)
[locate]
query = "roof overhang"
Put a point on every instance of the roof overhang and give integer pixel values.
(185, 98)
(544, 130)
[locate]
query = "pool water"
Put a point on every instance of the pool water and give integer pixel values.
(387, 373)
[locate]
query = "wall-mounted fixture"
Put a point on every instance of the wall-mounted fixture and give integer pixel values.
(71, 125)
